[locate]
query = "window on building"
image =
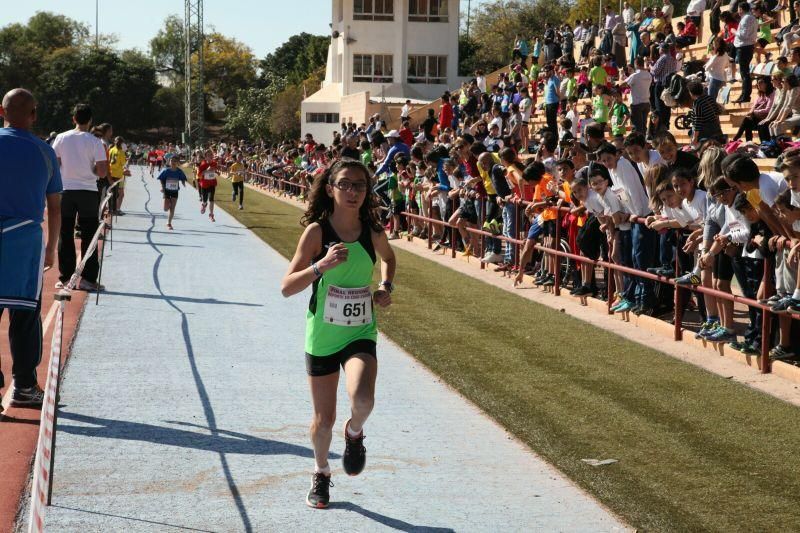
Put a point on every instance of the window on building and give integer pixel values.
(323, 118)
(427, 10)
(431, 70)
(372, 69)
(373, 9)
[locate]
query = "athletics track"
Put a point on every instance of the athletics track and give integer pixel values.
(185, 406)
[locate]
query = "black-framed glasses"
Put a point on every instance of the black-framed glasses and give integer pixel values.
(347, 186)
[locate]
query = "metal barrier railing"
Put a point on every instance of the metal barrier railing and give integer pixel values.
(681, 292)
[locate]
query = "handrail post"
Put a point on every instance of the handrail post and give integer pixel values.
(556, 258)
(678, 301)
(481, 220)
(430, 224)
(610, 288)
(453, 231)
(766, 318)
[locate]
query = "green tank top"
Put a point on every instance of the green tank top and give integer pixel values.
(327, 329)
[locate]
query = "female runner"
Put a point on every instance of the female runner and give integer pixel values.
(336, 255)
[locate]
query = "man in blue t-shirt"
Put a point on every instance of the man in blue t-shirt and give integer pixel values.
(552, 97)
(29, 179)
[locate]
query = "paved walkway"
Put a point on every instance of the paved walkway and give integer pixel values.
(185, 406)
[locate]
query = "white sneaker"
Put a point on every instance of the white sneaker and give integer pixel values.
(492, 258)
(241, 207)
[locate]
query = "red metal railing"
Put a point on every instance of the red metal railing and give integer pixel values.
(681, 291)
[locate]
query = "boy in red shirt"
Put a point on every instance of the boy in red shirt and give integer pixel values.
(207, 182)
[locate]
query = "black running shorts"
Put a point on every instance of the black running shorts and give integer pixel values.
(207, 194)
(324, 365)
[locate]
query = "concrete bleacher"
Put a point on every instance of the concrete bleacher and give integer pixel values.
(730, 118)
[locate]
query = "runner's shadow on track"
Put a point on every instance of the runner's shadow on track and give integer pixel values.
(147, 231)
(147, 215)
(224, 442)
(388, 521)
(161, 244)
(185, 299)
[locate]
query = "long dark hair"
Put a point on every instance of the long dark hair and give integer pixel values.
(320, 204)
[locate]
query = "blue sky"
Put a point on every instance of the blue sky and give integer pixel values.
(263, 25)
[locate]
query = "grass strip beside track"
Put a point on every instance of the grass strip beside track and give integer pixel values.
(696, 451)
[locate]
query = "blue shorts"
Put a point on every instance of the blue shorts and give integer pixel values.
(535, 231)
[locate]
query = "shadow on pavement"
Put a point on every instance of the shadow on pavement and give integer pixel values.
(388, 521)
(220, 441)
(185, 528)
(162, 244)
(183, 299)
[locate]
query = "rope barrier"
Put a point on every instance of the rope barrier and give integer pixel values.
(44, 457)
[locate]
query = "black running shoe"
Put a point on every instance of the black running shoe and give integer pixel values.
(355, 455)
(29, 397)
(319, 495)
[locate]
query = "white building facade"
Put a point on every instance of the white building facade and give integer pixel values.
(383, 51)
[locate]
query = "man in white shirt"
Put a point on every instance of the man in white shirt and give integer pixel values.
(745, 41)
(83, 160)
(628, 13)
(639, 82)
(405, 111)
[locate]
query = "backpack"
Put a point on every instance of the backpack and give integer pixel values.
(677, 88)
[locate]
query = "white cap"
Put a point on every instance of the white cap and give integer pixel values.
(393, 134)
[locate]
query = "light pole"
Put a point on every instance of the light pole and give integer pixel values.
(469, 14)
(96, 23)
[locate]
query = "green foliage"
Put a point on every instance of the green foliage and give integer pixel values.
(168, 49)
(168, 108)
(229, 66)
(495, 24)
(250, 117)
(120, 92)
(467, 48)
(295, 59)
(271, 111)
(25, 48)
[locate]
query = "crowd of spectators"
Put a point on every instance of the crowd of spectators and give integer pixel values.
(580, 137)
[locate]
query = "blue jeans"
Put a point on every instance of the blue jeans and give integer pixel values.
(626, 259)
(509, 230)
(714, 86)
(643, 256)
(493, 213)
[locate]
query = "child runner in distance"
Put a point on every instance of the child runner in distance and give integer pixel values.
(236, 172)
(171, 179)
(207, 177)
(340, 243)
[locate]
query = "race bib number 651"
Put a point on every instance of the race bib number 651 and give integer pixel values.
(348, 307)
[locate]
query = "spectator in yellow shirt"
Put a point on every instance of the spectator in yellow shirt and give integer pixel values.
(117, 170)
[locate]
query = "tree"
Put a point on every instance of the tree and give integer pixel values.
(24, 48)
(467, 48)
(168, 108)
(229, 66)
(496, 23)
(251, 116)
(168, 49)
(119, 91)
(295, 59)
